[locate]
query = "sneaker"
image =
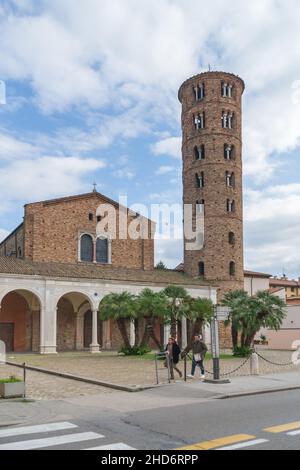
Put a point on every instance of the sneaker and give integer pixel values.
(202, 376)
(190, 376)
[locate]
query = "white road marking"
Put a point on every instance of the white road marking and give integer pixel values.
(118, 446)
(244, 444)
(51, 441)
(293, 433)
(48, 427)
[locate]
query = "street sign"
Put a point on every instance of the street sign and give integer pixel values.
(222, 313)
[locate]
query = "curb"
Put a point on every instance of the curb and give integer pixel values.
(259, 392)
(64, 375)
(11, 423)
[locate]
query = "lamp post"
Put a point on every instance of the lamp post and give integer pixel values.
(220, 314)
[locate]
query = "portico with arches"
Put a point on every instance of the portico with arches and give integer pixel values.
(48, 313)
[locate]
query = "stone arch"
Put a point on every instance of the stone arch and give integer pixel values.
(20, 320)
(69, 320)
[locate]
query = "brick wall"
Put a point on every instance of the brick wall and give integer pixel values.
(14, 309)
(66, 326)
(13, 245)
(217, 253)
(52, 232)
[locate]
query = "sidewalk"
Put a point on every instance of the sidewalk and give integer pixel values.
(247, 385)
(165, 396)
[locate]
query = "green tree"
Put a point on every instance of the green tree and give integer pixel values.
(121, 308)
(250, 314)
(265, 311)
(161, 265)
(200, 312)
(177, 306)
(238, 303)
(151, 306)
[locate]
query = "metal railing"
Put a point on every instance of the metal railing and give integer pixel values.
(162, 356)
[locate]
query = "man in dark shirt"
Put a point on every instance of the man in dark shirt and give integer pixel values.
(199, 350)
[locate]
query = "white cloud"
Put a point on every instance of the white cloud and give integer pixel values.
(163, 170)
(3, 234)
(83, 53)
(272, 229)
(124, 173)
(45, 177)
(169, 251)
(11, 147)
(170, 146)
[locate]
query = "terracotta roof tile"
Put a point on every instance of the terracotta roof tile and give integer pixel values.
(90, 271)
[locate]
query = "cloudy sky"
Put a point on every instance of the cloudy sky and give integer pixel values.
(92, 95)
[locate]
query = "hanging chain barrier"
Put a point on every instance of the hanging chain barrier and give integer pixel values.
(291, 363)
(237, 368)
(225, 374)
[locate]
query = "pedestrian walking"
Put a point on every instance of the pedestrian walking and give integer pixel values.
(173, 352)
(199, 350)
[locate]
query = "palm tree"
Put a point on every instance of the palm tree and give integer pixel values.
(121, 308)
(237, 301)
(200, 312)
(177, 306)
(265, 311)
(250, 314)
(151, 305)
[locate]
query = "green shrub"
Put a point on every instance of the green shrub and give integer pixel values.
(242, 351)
(135, 350)
(10, 380)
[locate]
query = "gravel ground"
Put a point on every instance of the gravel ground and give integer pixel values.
(110, 367)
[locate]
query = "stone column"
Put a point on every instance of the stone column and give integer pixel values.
(94, 347)
(183, 333)
(132, 333)
(48, 330)
(35, 325)
(79, 331)
(107, 334)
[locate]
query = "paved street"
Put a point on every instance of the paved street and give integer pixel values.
(155, 419)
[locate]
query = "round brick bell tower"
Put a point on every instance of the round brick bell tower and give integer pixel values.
(212, 175)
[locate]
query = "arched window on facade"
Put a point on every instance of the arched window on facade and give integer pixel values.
(200, 207)
(230, 206)
(86, 248)
(231, 238)
(229, 152)
(201, 269)
(102, 250)
(232, 268)
(200, 180)
(199, 152)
